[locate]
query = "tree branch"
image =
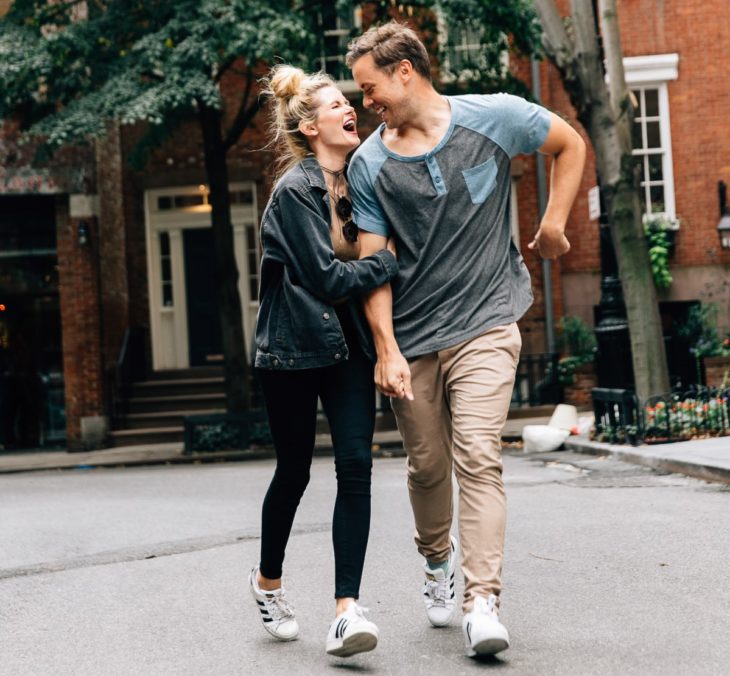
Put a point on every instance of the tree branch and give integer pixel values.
(556, 41)
(244, 115)
(224, 68)
(586, 40)
(614, 56)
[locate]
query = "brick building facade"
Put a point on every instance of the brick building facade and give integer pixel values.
(125, 240)
(676, 49)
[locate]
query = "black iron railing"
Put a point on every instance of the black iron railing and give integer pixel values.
(676, 416)
(536, 382)
(128, 368)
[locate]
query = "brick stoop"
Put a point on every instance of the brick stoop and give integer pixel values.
(158, 406)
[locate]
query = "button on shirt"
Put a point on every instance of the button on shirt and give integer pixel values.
(449, 210)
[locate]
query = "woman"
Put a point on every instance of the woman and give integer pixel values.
(307, 347)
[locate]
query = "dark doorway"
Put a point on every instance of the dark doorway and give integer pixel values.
(204, 327)
(32, 412)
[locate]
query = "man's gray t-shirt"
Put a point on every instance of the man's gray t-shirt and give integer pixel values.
(449, 210)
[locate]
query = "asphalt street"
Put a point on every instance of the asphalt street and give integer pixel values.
(610, 569)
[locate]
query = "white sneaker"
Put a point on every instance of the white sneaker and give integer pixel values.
(484, 633)
(350, 633)
(438, 591)
(276, 612)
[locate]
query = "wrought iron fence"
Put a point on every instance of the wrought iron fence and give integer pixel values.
(677, 416)
(617, 416)
(536, 381)
(682, 416)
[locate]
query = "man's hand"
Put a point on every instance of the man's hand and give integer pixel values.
(550, 241)
(393, 376)
(569, 153)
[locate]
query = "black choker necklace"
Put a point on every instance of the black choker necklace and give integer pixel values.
(336, 174)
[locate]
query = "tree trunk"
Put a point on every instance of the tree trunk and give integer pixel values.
(625, 213)
(234, 345)
(608, 124)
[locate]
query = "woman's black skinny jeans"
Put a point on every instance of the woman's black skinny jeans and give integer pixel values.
(348, 397)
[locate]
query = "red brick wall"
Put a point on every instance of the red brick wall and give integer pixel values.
(80, 321)
(699, 101)
(69, 170)
(112, 247)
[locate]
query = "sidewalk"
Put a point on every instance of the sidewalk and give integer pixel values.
(386, 443)
(707, 459)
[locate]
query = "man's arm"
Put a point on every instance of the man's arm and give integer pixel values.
(392, 374)
(569, 153)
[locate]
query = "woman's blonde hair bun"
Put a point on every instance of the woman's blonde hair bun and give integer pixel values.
(286, 81)
(294, 94)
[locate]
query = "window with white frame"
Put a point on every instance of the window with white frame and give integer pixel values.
(336, 28)
(647, 77)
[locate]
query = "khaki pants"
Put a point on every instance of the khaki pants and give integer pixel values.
(462, 396)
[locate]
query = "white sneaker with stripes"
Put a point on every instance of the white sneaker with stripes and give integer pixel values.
(483, 632)
(276, 612)
(351, 633)
(438, 591)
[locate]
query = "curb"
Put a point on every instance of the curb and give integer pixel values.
(170, 455)
(646, 455)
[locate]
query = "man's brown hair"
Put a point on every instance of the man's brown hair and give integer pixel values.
(390, 44)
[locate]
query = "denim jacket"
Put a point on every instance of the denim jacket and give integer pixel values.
(297, 326)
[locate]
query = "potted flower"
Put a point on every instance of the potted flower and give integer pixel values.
(576, 371)
(709, 346)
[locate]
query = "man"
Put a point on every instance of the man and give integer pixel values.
(436, 177)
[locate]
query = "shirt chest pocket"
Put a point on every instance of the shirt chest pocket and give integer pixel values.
(480, 180)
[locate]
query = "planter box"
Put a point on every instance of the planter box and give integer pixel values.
(225, 431)
(716, 368)
(579, 392)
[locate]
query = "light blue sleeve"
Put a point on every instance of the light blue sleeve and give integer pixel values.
(367, 212)
(514, 123)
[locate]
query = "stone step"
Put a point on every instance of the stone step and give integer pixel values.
(193, 372)
(201, 402)
(177, 387)
(140, 437)
(164, 418)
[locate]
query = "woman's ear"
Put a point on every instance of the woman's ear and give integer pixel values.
(308, 128)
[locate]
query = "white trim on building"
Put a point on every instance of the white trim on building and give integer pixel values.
(168, 213)
(651, 74)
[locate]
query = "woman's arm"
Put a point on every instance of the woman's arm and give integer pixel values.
(304, 239)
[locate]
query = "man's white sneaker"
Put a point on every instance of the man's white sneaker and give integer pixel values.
(351, 633)
(276, 612)
(438, 591)
(484, 633)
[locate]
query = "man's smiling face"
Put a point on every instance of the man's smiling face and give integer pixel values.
(382, 92)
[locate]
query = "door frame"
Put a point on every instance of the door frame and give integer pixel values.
(173, 210)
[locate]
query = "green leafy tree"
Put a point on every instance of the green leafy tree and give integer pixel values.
(493, 29)
(67, 68)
